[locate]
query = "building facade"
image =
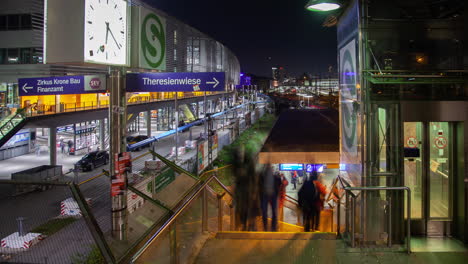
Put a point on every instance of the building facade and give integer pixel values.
(23, 48)
(404, 109)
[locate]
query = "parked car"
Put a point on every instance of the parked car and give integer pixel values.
(93, 160)
(135, 139)
(181, 124)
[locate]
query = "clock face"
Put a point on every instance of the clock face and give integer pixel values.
(106, 31)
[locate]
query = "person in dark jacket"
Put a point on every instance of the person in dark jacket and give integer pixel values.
(310, 201)
(307, 196)
(270, 184)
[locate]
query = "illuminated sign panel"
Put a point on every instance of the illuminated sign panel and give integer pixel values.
(176, 82)
(291, 167)
(62, 85)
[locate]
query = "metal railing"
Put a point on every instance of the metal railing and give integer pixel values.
(350, 211)
(9, 123)
(202, 190)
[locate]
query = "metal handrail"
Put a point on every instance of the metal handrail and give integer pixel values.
(382, 188)
(10, 122)
(177, 213)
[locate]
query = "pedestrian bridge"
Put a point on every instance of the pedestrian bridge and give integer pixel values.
(32, 117)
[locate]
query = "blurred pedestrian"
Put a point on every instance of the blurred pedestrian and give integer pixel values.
(38, 150)
(294, 179)
(310, 202)
(306, 199)
(321, 193)
(241, 195)
(70, 145)
(282, 195)
(270, 183)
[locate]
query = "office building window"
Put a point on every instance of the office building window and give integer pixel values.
(21, 56)
(2, 56)
(3, 23)
(26, 21)
(25, 56)
(13, 56)
(175, 54)
(37, 56)
(16, 22)
(13, 22)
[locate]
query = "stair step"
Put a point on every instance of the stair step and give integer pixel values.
(277, 235)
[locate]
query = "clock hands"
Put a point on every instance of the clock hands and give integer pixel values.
(108, 30)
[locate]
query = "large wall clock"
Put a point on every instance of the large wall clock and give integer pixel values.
(105, 32)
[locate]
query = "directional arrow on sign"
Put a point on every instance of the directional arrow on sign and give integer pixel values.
(26, 88)
(216, 82)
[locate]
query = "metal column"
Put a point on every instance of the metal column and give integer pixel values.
(148, 123)
(204, 113)
(102, 134)
(117, 124)
(176, 112)
(53, 145)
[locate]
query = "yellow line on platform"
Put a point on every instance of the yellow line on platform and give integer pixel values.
(90, 179)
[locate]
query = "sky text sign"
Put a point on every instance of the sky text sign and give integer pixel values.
(62, 85)
(176, 82)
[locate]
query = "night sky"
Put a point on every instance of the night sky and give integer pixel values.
(262, 33)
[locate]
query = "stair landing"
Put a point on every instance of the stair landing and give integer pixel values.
(269, 247)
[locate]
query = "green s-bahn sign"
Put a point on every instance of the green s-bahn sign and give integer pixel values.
(152, 40)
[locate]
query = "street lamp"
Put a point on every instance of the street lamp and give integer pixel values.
(323, 5)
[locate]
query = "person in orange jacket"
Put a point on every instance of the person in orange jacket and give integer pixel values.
(282, 190)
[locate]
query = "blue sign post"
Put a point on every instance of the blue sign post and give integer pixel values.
(176, 82)
(62, 85)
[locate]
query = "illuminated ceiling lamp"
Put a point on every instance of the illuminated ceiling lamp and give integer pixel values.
(323, 5)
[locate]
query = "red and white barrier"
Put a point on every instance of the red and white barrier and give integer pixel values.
(191, 144)
(153, 164)
(181, 151)
(16, 241)
(69, 207)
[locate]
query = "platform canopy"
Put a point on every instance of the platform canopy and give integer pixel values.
(303, 136)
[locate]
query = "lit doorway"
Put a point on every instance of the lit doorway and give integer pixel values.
(429, 172)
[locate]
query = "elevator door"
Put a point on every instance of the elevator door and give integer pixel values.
(428, 172)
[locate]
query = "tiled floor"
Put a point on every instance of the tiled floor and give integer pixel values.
(442, 244)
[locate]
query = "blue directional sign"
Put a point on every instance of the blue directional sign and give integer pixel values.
(314, 167)
(291, 167)
(176, 82)
(62, 85)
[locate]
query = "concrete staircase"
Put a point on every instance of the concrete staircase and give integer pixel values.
(269, 247)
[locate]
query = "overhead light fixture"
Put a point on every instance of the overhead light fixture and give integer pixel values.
(323, 5)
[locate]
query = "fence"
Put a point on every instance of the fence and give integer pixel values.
(49, 226)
